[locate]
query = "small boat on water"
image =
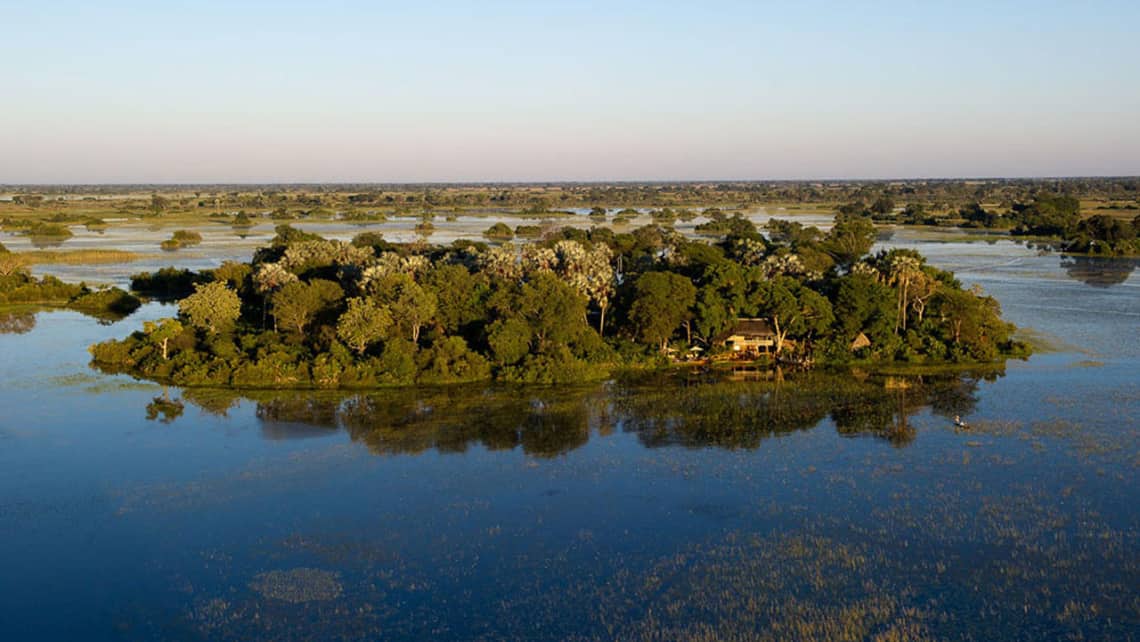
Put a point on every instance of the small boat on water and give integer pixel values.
(959, 423)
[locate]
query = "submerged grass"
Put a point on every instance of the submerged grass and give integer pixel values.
(1043, 342)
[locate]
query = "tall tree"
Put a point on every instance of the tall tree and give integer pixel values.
(509, 340)
(410, 305)
(662, 302)
(795, 310)
(862, 304)
(849, 239)
(163, 331)
(213, 307)
(590, 272)
(296, 304)
(459, 295)
(912, 284)
(555, 311)
(363, 324)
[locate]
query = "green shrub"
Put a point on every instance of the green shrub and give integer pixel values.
(48, 230)
(111, 301)
(499, 231)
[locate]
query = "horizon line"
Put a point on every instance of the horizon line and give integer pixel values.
(508, 182)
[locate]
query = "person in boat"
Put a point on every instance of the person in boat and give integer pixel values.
(958, 422)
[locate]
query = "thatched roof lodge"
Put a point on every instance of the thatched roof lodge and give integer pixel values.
(749, 336)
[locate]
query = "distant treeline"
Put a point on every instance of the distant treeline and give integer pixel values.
(934, 195)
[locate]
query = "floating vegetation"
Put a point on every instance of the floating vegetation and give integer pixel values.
(1043, 342)
(298, 585)
(75, 379)
(781, 588)
(240, 484)
(212, 614)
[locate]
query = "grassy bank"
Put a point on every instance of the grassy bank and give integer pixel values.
(76, 257)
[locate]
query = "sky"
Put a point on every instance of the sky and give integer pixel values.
(446, 91)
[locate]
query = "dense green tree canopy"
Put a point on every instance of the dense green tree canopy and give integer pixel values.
(213, 307)
(298, 303)
(1048, 215)
(363, 323)
(662, 301)
(850, 238)
(410, 305)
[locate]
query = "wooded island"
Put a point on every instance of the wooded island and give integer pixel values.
(574, 306)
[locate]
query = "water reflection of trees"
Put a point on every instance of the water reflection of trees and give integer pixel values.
(23, 320)
(164, 409)
(47, 242)
(1099, 271)
(726, 415)
(543, 422)
(742, 415)
(212, 400)
(298, 416)
(17, 322)
(547, 422)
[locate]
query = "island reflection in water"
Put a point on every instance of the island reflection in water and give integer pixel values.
(546, 422)
(17, 322)
(1099, 271)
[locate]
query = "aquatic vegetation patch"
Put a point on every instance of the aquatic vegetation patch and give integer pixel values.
(1043, 342)
(212, 614)
(298, 585)
(77, 257)
(784, 587)
(243, 483)
(105, 387)
(75, 379)
(932, 552)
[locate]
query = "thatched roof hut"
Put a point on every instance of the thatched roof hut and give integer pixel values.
(861, 341)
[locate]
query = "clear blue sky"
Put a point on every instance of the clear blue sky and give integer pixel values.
(211, 90)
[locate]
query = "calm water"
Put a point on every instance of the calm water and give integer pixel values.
(810, 508)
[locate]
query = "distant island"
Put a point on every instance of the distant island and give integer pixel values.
(18, 288)
(1050, 216)
(573, 305)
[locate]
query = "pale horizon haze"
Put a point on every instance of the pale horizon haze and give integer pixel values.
(209, 91)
